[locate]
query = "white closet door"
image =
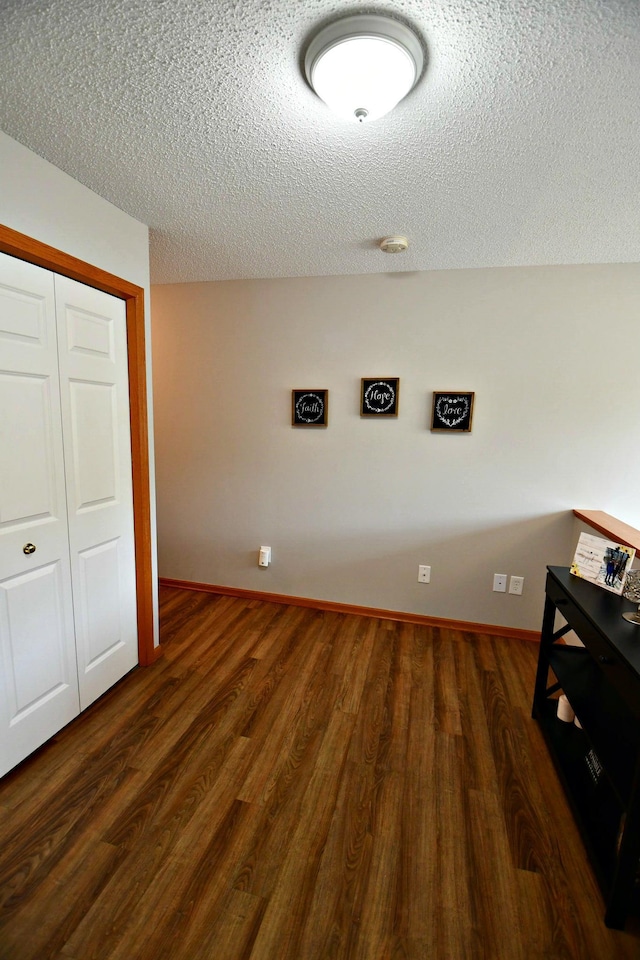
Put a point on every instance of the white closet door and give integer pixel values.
(38, 679)
(92, 347)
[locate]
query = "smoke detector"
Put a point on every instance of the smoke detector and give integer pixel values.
(394, 244)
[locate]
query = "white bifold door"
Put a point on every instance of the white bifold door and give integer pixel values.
(67, 562)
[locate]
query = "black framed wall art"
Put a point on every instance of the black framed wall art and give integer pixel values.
(379, 396)
(309, 408)
(452, 411)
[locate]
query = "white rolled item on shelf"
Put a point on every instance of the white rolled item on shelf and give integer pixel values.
(565, 710)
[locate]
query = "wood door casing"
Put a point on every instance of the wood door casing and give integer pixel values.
(34, 251)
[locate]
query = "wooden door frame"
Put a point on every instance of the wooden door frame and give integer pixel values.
(33, 251)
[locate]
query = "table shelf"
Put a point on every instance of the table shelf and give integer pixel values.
(607, 722)
(595, 804)
(598, 765)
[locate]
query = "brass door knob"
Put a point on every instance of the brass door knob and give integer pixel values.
(29, 548)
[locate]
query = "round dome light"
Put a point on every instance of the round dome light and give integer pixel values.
(363, 66)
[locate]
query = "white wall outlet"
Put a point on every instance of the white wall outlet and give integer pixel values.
(424, 574)
(264, 557)
(516, 585)
(500, 582)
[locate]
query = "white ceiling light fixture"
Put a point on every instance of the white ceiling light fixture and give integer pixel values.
(362, 66)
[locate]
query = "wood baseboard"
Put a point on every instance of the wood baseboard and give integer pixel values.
(510, 633)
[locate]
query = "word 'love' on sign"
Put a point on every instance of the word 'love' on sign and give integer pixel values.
(452, 411)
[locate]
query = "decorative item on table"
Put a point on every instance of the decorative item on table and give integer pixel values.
(309, 408)
(602, 562)
(633, 617)
(632, 592)
(452, 411)
(379, 396)
(632, 586)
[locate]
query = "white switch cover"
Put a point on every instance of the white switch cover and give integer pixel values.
(424, 574)
(500, 582)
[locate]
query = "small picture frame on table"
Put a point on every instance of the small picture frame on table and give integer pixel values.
(452, 411)
(379, 396)
(309, 408)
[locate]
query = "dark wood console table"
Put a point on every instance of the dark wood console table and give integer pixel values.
(598, 764)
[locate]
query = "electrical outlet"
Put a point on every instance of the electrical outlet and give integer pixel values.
(516, 585)
(424, 574)
(500, 583)
(264, 556)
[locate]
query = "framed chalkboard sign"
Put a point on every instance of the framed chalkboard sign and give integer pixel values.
(309, 408)
(452, 411)
(379, 396)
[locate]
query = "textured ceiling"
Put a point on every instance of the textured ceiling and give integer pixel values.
(520, 145)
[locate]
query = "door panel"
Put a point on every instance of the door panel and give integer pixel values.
(30, 608)
(99, 607)
(27, 451)
(95, 413)
(93, 408)
(23, 312)
(91, 335)
(38, 682)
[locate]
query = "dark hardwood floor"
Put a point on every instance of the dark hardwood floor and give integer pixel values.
(288, 784)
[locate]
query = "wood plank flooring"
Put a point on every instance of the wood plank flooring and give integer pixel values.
(291, 784)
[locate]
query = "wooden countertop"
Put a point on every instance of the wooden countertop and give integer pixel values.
(611, 528)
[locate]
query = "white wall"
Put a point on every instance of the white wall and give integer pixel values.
(41, 201)
(350, 511)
